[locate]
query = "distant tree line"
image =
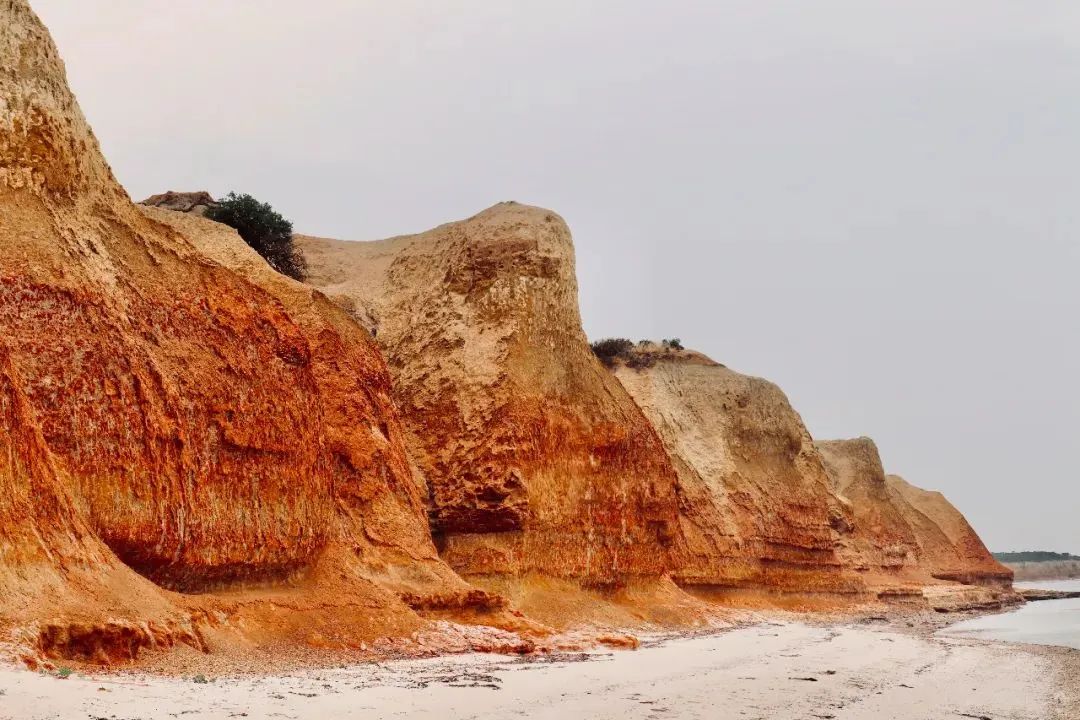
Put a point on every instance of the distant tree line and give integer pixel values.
(1033, 556)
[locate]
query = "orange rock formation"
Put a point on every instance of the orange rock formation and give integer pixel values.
(198, 450)
(764, 507)
(212, 432)
(536, 458)
(51, 563)
(381, 504)
(756, 505)
(903, 533)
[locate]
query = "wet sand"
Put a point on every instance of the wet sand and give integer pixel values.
(770, 671)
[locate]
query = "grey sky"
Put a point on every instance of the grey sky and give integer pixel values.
(874, 204)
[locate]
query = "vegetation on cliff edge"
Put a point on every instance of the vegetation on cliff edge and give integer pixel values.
(264, 229)
(610, 351)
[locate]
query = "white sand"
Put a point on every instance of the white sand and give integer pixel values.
(857, 672)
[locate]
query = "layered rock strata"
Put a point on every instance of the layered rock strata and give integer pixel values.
(210, 432)
(756, 505)
(196, 448)
(536, 458)
(380, 502)
(763, 507)
(903, 532)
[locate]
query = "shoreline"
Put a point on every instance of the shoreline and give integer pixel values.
(228, 653)
(857, 668)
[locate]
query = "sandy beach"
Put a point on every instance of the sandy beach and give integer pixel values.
(770, 670)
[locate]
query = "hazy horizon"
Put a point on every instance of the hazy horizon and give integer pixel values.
(872, 204)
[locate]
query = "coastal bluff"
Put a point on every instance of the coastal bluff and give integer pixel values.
(416, 452)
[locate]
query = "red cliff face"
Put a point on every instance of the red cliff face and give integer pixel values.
(62, 592)
(763, 507)
(43, 540)
(211, 431)
(169, 390)
(902, 534)
(379, 502)
(536, 458)
(196, 449)
(963, 557)
(756, 506)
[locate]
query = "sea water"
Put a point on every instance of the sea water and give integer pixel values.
(1047, 622)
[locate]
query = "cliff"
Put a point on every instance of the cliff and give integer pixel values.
(52, 565)
(756, 506)
(212, 433)
(199, 450)
(382, 501)
(903, 533)
(964, 558)
(536, 458)
(883, 544)
(764, 508)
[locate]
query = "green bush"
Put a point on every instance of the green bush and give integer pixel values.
(264, 229)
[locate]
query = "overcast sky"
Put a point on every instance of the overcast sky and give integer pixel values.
(874, 204)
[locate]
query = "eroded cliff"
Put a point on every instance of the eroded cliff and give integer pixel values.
(213, 432)
(380, 500)
(756, 506)
(963, 557)
(763, 507)
(197, 449)
(536, 458)
(53, 566)
(904, 534)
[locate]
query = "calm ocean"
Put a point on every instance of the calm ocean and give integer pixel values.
(1050, 622)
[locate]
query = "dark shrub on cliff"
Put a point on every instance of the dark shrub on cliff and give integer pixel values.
(640, 360)
(264, 229)
(611, 349)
